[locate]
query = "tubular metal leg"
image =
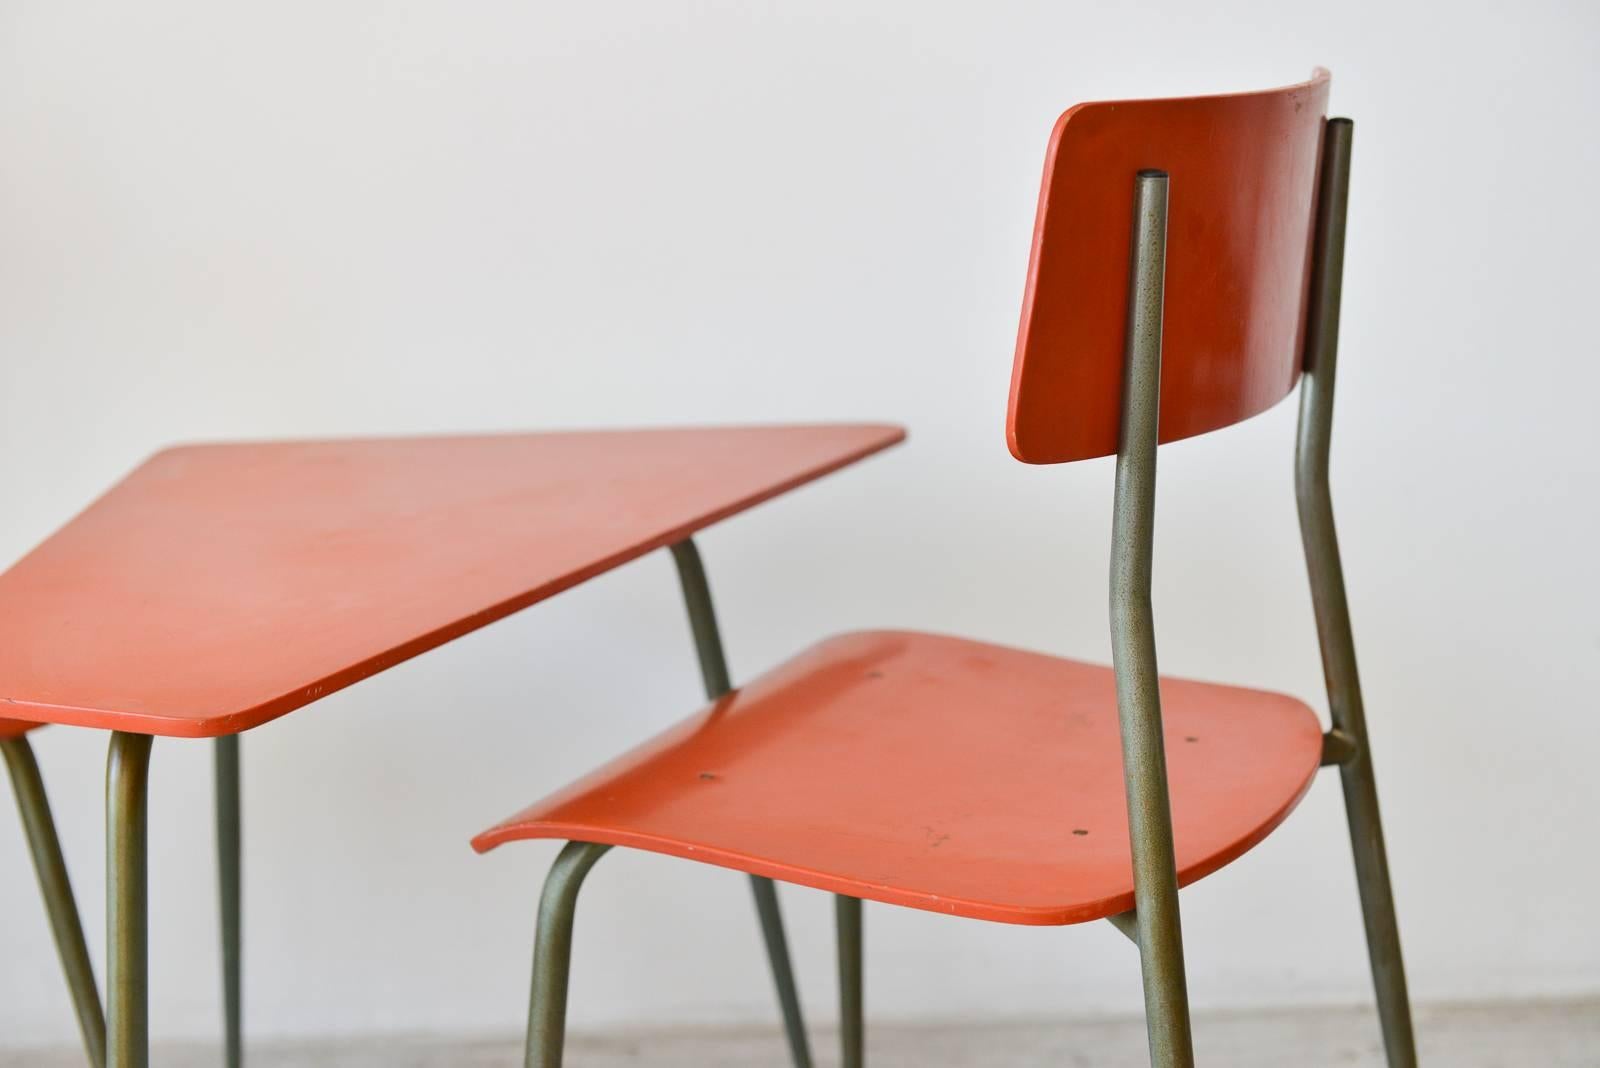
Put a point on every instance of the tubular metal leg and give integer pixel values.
(714, 673)
(51, 868)
(766, 894)
(1155, 880)
(1377, 910)
(852, 1023)
(552, 953)
(127, 973)
(229, 888)
(1331, 604)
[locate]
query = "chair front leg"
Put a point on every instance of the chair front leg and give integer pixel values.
(552, 953)
(51, 868)
(852, 1021)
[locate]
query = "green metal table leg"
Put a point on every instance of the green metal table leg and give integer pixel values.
(51, 868)
(852, 1021)
(714, 673)
(766, 895)
(229, 887)
(702, 619)
(552, 953)
(128, 969)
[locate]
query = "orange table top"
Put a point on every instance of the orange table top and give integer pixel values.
(220, 586)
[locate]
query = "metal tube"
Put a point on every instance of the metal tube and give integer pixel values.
(852, 1024)
(128, 967)
(1331, 605)
(552, 953)
(766, 896)
(1133, 646)
(1127, 923)
(51, 867)
(1338, 748)
(714, 674)
(702, 618)
(230, 888)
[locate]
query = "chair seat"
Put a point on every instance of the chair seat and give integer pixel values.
(14, 728)
(941, 774)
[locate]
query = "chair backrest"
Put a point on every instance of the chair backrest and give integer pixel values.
(1186, 269)
(1243, 173)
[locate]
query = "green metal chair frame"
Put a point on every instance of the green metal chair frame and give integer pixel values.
(1153, 925)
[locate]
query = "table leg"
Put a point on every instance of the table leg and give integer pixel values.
(714, 673)
(852, 1020)
(229, 888)
(128, 966)
(51, 867)
(766, 895)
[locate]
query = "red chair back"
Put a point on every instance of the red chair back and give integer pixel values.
(1243, 176)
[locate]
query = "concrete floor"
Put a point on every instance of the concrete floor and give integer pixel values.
(1534, 1035)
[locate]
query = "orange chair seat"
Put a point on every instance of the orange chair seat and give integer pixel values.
(941, 774)
(14, 728)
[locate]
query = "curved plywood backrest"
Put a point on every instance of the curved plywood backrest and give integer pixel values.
(1243, 175)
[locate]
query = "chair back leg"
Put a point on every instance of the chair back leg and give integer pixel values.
(552, 953)
(1377, 910)
(1331, 602)
(1156, 918)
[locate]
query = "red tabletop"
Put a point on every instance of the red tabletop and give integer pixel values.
(220, 586)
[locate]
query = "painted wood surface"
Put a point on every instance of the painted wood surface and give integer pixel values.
(1242, 178)
(219, 586)
(942, 774)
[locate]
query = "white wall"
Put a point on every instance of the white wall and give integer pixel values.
(221, 220)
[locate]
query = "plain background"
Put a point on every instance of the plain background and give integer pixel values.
(229, 220)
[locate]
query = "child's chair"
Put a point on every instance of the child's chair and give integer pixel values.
(981, 781)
